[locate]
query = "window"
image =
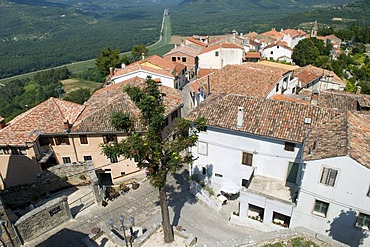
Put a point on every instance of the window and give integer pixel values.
(272, 52)
(216, 53)
(46, 141)
(173, 59)
(245, 182)
(277, 87)
(328, 176)
(6, 150)
(183, 59)
(83, 139)
(109, 138)
(18, 151)
(178, 58)
(87, 158)
(61, 140)
(368, 192)
(289, 146)
(166, 121)
(174, 115)
(204, 170)
(113, 159)
(66, 160)
(123, 174)
(321, 208)
(1, 151)
(218, 175)
(363, 221)
(247, 159)
(203, 148)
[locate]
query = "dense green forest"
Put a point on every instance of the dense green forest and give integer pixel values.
(37, 34)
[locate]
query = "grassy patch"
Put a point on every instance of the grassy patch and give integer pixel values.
(74, 84)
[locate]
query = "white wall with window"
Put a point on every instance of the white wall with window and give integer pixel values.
(334, 200)
(233, 156)
(219, 58)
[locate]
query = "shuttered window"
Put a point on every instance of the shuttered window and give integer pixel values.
(247, 159)
(328, 176)
(203, 148)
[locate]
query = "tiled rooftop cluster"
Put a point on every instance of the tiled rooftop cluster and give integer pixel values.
(252, 79)
(278, 119)
(49, 117)
(310, 73)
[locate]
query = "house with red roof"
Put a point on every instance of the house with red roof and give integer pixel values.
(279, 51)
(219, 55)
(289, 163)
(61, 132)
(169, 73)
(291, 36)
(184, 55)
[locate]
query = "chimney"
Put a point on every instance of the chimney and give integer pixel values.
(240, 117)
(27, 107)
(314, 97)
(358, 90)
(111, 71)
(142, 56)
(241, 34)
(123, 65)
(209, 86)
(2, 123)
(234, 35)
(175, 46)
(67, 126)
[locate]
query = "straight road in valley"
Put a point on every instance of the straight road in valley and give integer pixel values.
(160, 47)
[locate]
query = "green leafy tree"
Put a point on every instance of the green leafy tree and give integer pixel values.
(365, 87)
(138, 50)
(78, 96)
(159, 155)
(305, 52)
(350, 85)
(107, 58)
(122, 121)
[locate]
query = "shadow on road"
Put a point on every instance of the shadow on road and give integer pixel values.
(179, 194)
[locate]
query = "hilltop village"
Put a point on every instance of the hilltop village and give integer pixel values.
(286, 145)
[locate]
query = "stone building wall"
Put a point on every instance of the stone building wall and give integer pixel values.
(51, 180)
(43, 218)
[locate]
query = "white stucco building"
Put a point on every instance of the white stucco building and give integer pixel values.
(292, 36)
(219, 55)
(278, 52)
(296, 164)
(334, 197)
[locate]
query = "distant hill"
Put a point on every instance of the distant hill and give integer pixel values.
(220, 16)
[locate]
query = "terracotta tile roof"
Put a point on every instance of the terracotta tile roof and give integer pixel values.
(279, 65)
(187, 50)
(273, 34)
(204, 72)
(219, 46)
(195, 41)
(262, 117)
(250, 35)
(364, 100)
(281, 44)
(136, 67)
(252, 79)
(282, 97)
(101, 105)
(333, 99)
(159, 61)
(359, 137)
(308, 73)
(345, 135)
(47, 117)
(253, 54)
(293, 33)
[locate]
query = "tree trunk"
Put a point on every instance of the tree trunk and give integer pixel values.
(167, 227)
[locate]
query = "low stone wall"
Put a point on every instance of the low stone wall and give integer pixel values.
(43, 218)
(51, 180)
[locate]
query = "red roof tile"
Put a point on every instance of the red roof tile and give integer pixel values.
(263, 117)
(293, 33)
(219, 46)
(47, 117)
(309, 73)
(253, 54)
(195, 41)
(252, 79)
(101, 105)
(187, 50)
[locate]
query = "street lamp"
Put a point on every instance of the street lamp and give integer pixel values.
(132, 221)
(121, 218)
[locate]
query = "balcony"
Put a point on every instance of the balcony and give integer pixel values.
(273, 189)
